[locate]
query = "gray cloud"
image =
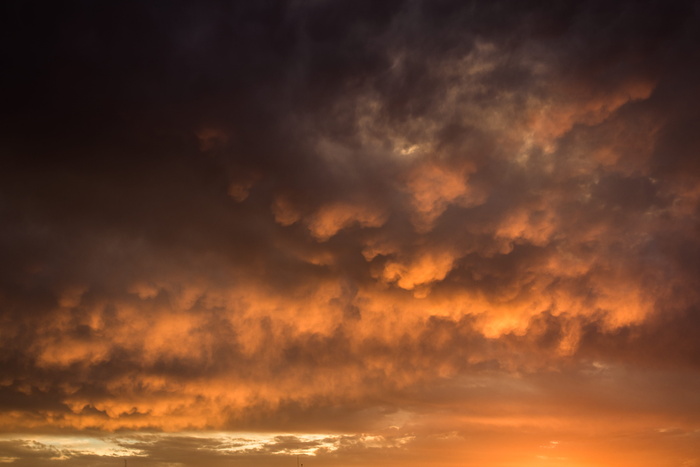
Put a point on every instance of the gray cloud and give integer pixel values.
(330, 216)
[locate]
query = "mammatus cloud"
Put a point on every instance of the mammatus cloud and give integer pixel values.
(390, 233)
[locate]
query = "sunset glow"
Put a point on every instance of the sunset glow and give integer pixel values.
(350, 233)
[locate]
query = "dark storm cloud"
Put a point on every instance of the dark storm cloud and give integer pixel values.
(310, 215)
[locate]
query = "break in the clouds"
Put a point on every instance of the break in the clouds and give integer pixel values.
(360, 232)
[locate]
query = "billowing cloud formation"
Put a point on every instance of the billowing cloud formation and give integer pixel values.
(401, 224)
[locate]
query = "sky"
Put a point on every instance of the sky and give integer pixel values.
(350, 233)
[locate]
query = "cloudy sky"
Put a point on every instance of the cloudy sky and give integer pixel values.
(350, 233)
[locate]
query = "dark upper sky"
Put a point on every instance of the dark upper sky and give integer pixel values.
(370, 231)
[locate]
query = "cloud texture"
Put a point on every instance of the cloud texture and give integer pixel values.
(400, 224)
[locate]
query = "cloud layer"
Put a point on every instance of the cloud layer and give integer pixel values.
(400, 223)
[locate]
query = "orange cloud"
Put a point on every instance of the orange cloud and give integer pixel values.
(331, 218)
(442, 235)
(433, 188)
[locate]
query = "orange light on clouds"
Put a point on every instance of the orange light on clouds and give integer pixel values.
(353, 233)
